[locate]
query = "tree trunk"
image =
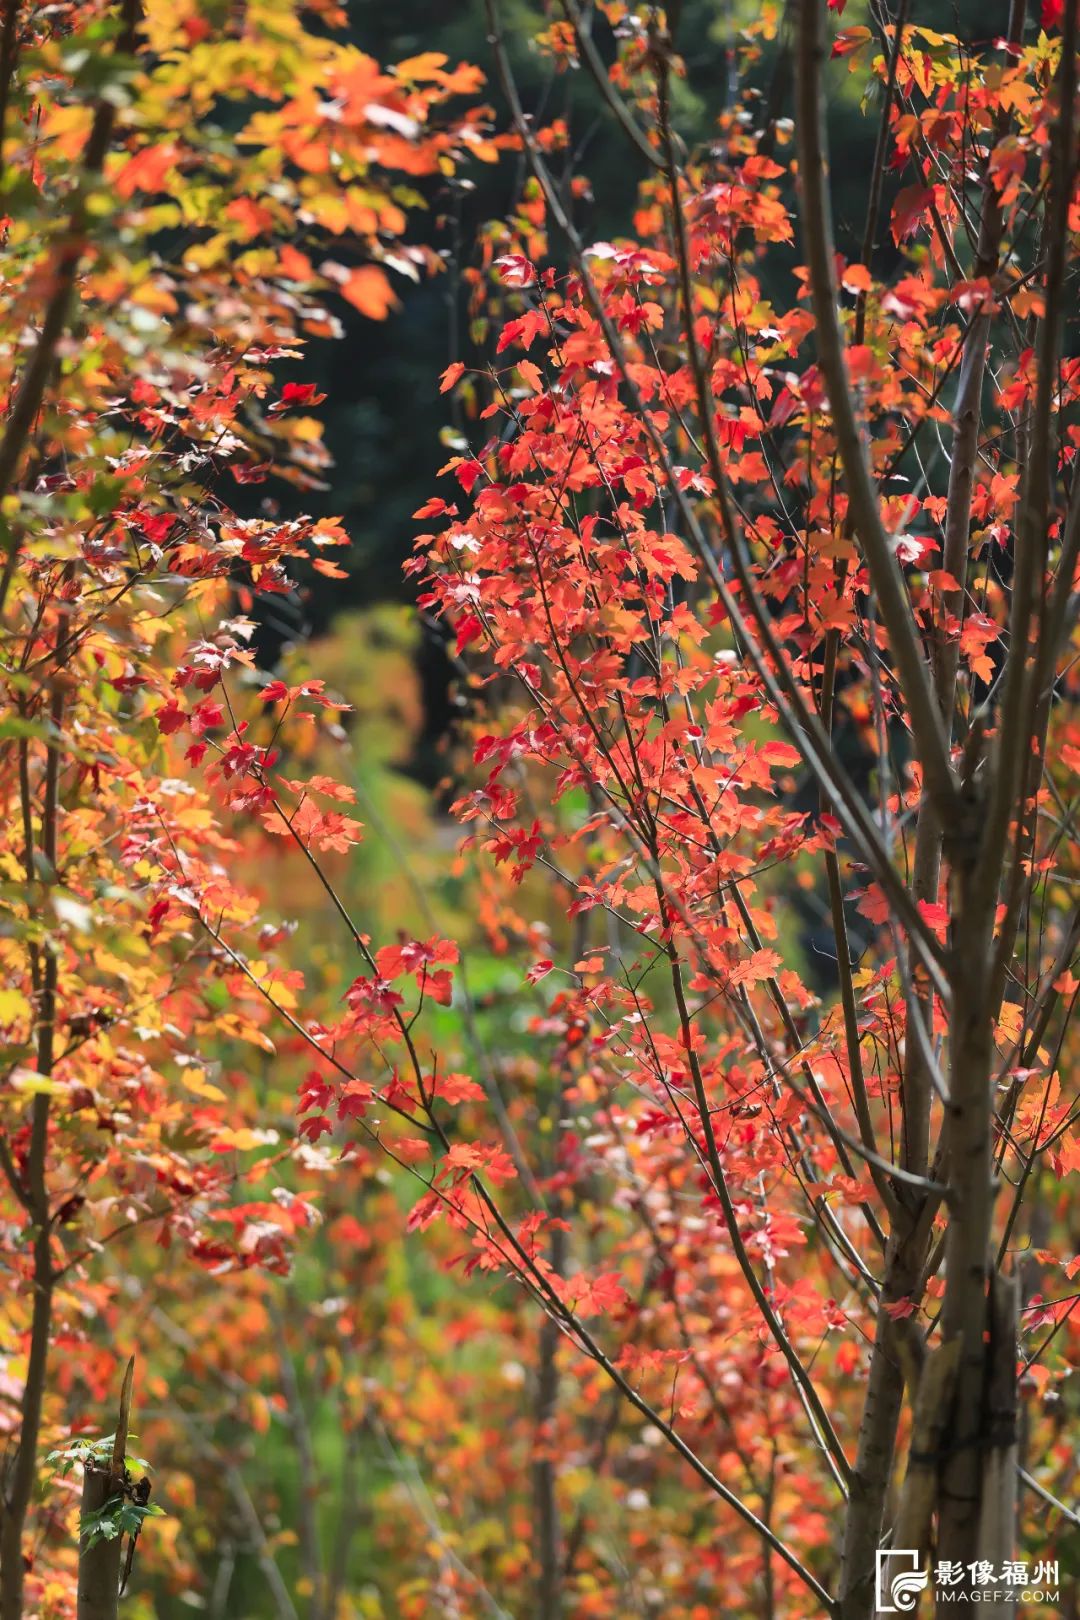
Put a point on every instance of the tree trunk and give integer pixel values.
(100, 1561)
(966, 1314)
(997, 1520)
(99, 1564)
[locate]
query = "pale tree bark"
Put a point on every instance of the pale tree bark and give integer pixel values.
(101, 1559)
(99, 1565)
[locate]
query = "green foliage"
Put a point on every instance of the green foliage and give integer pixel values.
(88, 1453)
(119, 1516)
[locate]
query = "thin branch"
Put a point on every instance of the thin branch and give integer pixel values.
(591, 58)
(888, 581)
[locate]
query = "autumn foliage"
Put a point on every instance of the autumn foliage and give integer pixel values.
(725, 1061)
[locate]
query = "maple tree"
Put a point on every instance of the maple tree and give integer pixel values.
(185, 198)
(758, 558)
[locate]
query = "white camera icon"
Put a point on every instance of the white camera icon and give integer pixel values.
(900, 1580)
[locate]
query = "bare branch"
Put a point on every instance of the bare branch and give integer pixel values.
(889, 588)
